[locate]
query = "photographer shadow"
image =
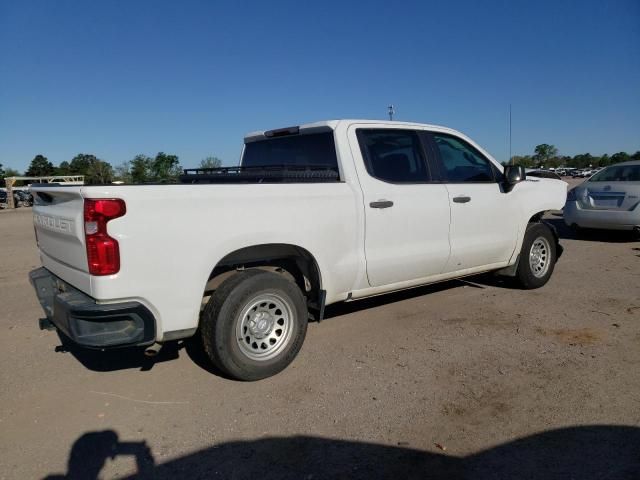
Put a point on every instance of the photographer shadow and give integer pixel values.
(586, 452)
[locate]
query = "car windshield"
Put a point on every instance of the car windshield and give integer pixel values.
(618, 173)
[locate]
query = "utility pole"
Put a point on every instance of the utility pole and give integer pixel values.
(391, 112)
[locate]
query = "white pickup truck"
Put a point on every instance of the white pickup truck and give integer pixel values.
(316, 214)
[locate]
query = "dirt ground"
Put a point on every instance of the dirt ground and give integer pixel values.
(466, 379)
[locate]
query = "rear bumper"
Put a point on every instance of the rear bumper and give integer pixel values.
(606, 219)
(88, 323)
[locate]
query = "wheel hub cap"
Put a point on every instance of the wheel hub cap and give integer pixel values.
(260, 324)
(539, 257)
(264, 327)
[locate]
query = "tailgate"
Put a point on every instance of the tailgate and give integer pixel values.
(58, 217)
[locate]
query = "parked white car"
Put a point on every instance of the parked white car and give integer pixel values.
(610, 199)
(317, 214)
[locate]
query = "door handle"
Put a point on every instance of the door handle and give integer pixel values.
(381, 204)
(462, 199)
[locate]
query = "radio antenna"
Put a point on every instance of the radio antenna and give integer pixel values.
(510, 156)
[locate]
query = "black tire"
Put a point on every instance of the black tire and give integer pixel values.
(222, 315)
(541, 235)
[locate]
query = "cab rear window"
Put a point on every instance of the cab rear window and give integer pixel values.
(311, 150)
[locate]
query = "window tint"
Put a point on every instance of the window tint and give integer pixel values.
(461, 162)
(619, 173)
(393, 155)
(315, 149)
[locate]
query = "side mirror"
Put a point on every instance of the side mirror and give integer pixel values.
(513, 174)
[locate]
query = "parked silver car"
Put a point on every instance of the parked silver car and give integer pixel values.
(610, 199)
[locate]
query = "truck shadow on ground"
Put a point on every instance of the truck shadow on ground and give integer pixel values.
(337, 310)
(119, 358)
(587, 452)
(134, 358)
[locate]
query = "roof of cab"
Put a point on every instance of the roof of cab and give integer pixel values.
(333, 124)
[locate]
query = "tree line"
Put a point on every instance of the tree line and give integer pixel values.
(163, 168)
(547, 156)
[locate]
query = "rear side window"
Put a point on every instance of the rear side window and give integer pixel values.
(315, 149)
(461, 162)
(393, 155)
(618, 173)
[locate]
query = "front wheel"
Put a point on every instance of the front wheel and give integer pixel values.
(254, 324)
(537, 257)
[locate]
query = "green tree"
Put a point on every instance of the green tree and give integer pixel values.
(80, 163)
(40, 166)
(165, 168)
(5, 173)
(210, 162)
(64, 168)
(99, 173)
(636, 156)
(523, 161)
(141, 169)
(122, 172)
(604, 160)
(544, 152)
(620, 157)
(582, 160)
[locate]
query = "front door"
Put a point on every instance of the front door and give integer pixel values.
(484, 223)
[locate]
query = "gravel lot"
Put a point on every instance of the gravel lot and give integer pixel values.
(465, 379)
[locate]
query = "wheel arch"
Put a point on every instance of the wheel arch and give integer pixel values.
(537, 217)
(290, 260)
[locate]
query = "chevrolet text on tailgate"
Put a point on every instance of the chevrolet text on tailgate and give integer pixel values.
(317, 214)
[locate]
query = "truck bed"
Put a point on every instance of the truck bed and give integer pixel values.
(262, 174)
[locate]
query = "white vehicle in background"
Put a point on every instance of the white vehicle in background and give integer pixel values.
(317, 214)
(610, 199)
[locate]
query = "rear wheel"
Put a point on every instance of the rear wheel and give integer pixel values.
(537, 257)
(254, 324)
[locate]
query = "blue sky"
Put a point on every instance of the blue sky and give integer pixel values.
(118, 78)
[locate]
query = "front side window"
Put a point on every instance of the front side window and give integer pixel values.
(393, 155)
(461, 162)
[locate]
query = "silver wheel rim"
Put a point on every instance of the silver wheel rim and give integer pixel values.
(540, 257)
(264, 327)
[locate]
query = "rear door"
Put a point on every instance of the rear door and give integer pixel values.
(484, 223)
(406, 213)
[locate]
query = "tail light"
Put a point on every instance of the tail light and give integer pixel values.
(103, 252)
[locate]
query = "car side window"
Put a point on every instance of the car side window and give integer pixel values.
(618, 173)
(461, 162)
(393, 155)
